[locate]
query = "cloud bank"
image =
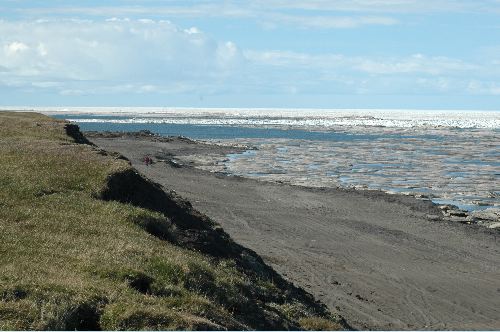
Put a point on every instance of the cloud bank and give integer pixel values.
(143, 56)
(112, 52)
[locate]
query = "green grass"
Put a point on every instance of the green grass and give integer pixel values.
(69, 260)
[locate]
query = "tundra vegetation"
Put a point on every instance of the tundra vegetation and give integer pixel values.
(87, 243)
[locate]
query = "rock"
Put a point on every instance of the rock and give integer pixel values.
(174, 163)
(432, 217)
(494, 225)
(445, 207)
(491, 214)
(458, 213)
(481, 203)
(458, 219)
(473, 219)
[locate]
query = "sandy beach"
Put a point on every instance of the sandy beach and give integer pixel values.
(381, 261)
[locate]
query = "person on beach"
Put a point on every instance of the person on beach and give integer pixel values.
(147, 160)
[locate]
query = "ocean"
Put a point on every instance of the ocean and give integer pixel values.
(449, 157)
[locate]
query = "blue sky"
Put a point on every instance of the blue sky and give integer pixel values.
(437, 54)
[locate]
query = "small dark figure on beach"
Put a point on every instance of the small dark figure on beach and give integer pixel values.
(147, 160)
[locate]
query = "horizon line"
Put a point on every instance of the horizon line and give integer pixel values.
(159, 108)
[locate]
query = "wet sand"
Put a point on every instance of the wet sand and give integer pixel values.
(382, 261)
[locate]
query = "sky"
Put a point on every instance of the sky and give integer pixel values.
(421, 54)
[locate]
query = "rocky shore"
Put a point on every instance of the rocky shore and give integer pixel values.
(489, 217)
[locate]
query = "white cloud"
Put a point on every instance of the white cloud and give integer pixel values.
(416, 63)
(270, 13)
(128, 56)
(483, 88)
(327, 22)
(114, 50)
(386, 6)
(192, 30)
(15, 48)
(338, 73)
(412, 64)
(262, 8)
(198, 9)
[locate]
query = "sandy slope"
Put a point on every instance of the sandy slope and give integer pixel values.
(373, 257)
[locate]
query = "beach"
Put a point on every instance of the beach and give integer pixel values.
(448, 157)
(382, 261)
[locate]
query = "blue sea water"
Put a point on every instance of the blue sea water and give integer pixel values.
(450, 165)
(223, 131)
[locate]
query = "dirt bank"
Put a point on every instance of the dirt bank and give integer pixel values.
(377, 259)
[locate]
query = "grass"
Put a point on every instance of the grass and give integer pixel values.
(69, 260)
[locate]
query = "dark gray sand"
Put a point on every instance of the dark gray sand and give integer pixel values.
(379, 260)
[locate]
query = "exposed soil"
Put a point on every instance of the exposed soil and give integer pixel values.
(191, 229)
(382, 261)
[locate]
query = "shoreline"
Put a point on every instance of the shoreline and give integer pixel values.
(488, 217)
(375, 258)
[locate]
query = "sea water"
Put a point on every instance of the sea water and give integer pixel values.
(450, 157)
